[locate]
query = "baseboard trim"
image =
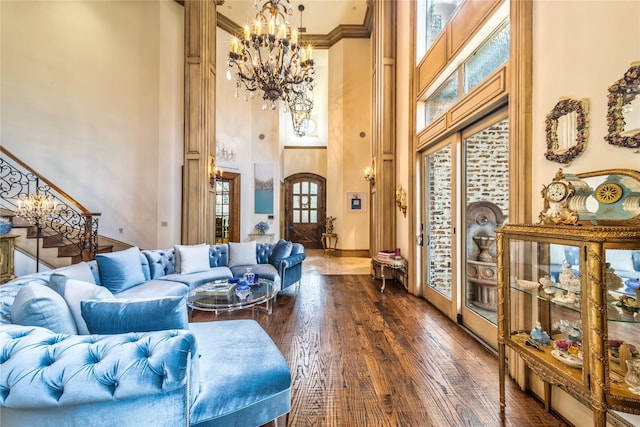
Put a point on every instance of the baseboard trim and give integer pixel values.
(358, 253)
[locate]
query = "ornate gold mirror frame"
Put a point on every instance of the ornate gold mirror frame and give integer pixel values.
(621, 95)
(566, 128)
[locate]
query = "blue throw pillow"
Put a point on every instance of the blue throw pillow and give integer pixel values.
(119, 316)
(281, 250)
(120, 270)
(37, 305)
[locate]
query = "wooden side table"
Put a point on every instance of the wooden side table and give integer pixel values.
(329, 242)
(398, 267)
(7, 248)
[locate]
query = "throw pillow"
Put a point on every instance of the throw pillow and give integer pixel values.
(74, 291)
(80, 271)
(193, 259)
(117, 316)
(37, 305)
(281, 250)
(242, 254)
(120, 270)
(178, 260)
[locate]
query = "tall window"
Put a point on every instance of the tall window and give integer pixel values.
(487, 58)
(305, 202)
(433, 15)
(442, 99)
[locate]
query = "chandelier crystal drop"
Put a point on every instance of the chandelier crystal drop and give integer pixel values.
(269, 58)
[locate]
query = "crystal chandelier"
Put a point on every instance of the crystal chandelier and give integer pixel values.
(269, 57)
(36, 208)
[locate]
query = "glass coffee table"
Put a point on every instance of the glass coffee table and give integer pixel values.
(221, 297)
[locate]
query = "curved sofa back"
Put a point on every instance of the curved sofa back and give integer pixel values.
(163, 261)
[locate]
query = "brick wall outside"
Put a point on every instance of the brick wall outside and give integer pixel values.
(487, 179)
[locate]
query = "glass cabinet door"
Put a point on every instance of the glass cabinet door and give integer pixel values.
(622, 281)
(546, 289)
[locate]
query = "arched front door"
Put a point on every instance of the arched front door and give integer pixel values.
(304, 209)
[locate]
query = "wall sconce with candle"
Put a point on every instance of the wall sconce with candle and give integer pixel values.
(215, 173)
(370, 175)
(401, 199)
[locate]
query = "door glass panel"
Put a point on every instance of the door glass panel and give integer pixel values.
(305, 202)
(222, 212)
(296, 188)
(438, 226)
(487, 208)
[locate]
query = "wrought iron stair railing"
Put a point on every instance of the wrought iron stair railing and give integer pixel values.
(72, 226)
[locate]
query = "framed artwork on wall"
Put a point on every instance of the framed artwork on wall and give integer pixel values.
(356, 202)
(263, 188)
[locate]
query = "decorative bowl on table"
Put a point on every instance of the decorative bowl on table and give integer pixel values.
(243, 290)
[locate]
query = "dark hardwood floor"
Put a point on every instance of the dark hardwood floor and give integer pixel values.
(362, 358)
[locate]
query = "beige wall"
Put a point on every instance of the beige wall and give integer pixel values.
(579, 49)
(92, 99)
(348, 153)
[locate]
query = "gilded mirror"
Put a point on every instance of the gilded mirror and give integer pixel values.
(566, 128)
(623, 114)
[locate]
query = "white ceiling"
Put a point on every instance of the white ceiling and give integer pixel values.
(320, 17)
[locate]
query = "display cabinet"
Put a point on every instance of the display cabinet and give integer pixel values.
(568, 306)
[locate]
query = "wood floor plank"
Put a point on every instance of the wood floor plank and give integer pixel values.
(359, 357)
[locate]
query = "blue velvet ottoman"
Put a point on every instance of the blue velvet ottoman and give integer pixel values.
(245, 380)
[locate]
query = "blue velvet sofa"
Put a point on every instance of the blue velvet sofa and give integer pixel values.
(280, 262)
(109, 343)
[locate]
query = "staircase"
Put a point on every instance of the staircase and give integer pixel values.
(68, 236)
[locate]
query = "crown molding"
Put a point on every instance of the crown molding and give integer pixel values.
(318, 41)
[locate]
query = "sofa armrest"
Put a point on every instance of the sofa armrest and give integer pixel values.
(292, 260)
(290, 269)
(41, 369)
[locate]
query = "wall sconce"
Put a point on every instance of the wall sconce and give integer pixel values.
(401, 199)
(370, 175)
(225, 154)
(214, 172)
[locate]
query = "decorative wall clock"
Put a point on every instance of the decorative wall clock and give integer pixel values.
(556, 201)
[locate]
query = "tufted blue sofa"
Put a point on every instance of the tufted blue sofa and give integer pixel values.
(225, 373)
(161, 265)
